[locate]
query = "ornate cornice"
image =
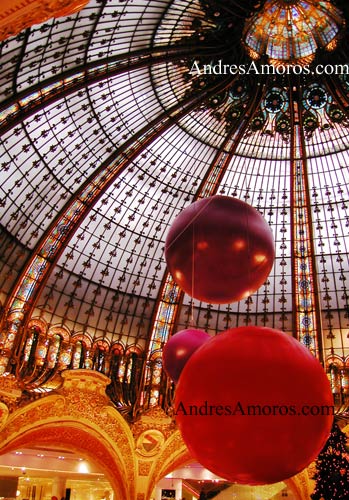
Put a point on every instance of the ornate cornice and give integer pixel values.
(18, 15)
(79, 415)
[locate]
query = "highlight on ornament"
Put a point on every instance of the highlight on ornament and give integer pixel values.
(179, 348)
(219, 250)
(253, 405)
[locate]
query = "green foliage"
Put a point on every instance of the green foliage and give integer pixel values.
(332, 468)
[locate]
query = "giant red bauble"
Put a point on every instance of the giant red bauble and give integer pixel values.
(253, 405)
(179, 348)
(219, 250)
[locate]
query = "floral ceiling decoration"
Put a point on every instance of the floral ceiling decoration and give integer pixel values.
(291, 31)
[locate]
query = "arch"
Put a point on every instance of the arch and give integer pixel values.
(39, 324)
(100, 355)
(336, 360)
(59, 330)
(175, 454)
(134, 349)
(300, 485)
(53, 350)
(81, 345)
(79, 416)
(34, 331)
(83, 337)
(117, 348)
(155, 355)
(78, 355)
(78, 438)
(102, 343)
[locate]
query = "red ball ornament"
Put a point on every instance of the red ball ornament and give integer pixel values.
(254, 406)
(219, 250)
(179, 348)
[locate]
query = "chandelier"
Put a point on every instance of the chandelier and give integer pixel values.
(289, 32)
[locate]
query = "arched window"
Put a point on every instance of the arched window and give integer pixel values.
(101, 356)
(30, 344)
(53, 350)
(116, 369)
(81, 347)
(339, 379)
(41, 350)
(78, 355)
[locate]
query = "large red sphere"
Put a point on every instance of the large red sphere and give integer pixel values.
(179, 348)
(254, 406)
(219, 250)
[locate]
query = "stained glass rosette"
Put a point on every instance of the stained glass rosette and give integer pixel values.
(290, 32)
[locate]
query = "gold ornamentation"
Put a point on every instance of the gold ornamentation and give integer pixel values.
(300, 485)
(150, 442)
(154, 418)
(37, 323)
(10, 392)
(4, 413)
(58, 330)
(24, 13)
(144, 468)
(83, 337)
(79, 414)
(173, 454)
(86, 381)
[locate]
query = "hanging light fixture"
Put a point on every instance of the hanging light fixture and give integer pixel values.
(289, 32)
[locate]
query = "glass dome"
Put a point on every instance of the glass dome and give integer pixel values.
(110, 125)
(291, 31)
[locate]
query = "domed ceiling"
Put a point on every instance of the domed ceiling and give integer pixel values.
(116, 118)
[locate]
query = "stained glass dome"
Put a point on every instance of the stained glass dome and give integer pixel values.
(106, 134)
(291, 31)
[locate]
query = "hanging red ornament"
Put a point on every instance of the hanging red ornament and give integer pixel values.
(254, 406)
(179, 348)
(219, 250)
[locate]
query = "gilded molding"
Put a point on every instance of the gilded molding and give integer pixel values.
(150, 442)
(4, 413)
(154, 418)
(38, 323)
(9, 387)
(300, 485)
(26, 13)
(144, 468)
(80, 415)
(10, 392)
(173, 455)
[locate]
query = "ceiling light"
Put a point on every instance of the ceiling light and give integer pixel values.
(83, 467)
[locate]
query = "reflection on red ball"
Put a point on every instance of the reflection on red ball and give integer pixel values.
(179, 348)
(219, 250)
(252, 405)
